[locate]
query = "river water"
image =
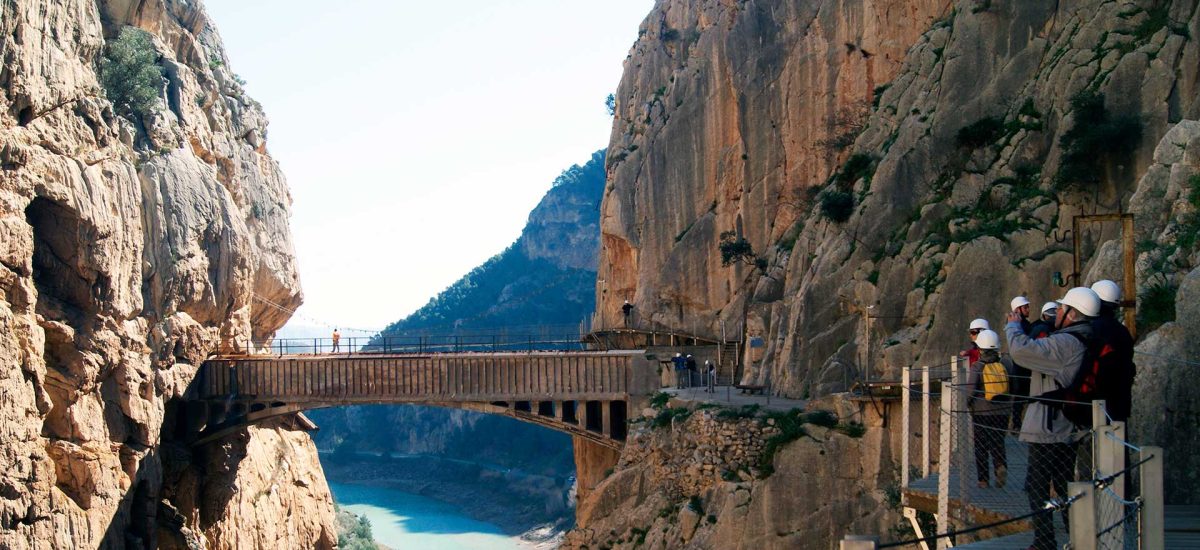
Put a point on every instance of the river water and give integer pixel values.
(403, 520)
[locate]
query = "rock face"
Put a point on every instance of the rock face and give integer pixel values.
(130, 250)
(917, 157)
(696, 483)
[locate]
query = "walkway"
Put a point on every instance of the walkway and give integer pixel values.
(731, 397)
(582, 393)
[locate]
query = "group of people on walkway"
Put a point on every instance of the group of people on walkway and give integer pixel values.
(1077, 351)
(687, 373)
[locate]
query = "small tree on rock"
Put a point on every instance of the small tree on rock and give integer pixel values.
(130, 73)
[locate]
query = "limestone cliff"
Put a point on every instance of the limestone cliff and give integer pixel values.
(924, 158)
(133, 247)
(699, 481)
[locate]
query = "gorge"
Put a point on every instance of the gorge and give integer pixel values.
(775, 172)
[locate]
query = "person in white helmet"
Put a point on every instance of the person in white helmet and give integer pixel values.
(972, 351)
(988, 402)
(627, 309)
(1045, 324)
(1020, 305)
(1117, 365)
(1054, 361)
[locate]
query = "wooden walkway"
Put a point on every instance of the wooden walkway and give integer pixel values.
(984, 505)
(1182, 523)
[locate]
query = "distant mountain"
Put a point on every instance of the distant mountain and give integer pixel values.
(546, 277)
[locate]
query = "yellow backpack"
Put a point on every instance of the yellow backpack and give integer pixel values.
(994, 380)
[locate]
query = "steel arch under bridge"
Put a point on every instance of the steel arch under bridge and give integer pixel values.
(585, 394)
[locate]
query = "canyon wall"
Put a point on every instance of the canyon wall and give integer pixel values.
(133, 247)
(918, 162)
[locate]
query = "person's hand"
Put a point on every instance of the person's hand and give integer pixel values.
(1013, 317)
(962, 354)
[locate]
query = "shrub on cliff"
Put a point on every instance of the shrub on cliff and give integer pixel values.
(837, 206)
(1095, 136)
(130, 74)
(979, 133)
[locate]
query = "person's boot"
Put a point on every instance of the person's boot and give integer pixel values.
(1001, 476)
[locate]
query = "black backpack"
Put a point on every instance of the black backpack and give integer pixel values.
(1091, 382)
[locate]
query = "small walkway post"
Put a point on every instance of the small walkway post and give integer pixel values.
(1083, 515)
(1151, 473)
(905, 400)
(925, 426)
(943, 497)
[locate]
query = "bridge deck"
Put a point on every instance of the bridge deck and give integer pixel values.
(451, 377)
(583, 393)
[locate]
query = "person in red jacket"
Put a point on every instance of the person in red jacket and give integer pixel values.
(972, 352)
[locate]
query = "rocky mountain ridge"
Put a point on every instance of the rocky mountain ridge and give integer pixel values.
(133, 246)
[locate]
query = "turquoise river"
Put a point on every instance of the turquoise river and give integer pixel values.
(403, 520)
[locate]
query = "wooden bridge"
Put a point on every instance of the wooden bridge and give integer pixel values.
(586, 394)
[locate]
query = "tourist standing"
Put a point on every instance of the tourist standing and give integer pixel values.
(1019, 384)
(711, 369)
(1045, 324)
(987, 389)
(1054, 361)
(1117, 365)
(972, 351)
(627, 309)
(680, 365)
(337, 337)
(692, 370)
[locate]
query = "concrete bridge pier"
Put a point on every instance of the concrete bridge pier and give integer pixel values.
(592, 461)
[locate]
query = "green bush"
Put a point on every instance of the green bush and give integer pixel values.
(659, 400)
(1156, 305)
(853, 429)
(735, 249)
(129, 73)
(1096, 136)
(666, 416)
(746, 411)
(837, 206)
(791, 428)
(825, 419)
(979, 133)
(858, 166)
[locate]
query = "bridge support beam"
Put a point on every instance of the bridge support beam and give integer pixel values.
(592, 460)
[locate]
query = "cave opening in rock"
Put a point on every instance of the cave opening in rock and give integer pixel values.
(64, 293)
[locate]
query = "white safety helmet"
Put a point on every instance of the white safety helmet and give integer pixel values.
(988, 339)
(1083, 299)
(1017, 302)
(678, 355)
(980, 324)
(1049, 306)
(1108, 291)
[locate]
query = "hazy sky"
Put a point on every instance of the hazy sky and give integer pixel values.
(417, 136)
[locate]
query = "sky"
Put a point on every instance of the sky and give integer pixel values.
(416, 136)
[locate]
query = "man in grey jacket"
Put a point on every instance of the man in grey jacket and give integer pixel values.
(1054, 361)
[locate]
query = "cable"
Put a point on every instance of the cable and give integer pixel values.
(1166, 358)
(1119, 522)
(1051, 507)
(293, 313)
(1127, 444)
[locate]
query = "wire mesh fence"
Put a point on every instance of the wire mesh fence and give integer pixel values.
(1012, 470)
